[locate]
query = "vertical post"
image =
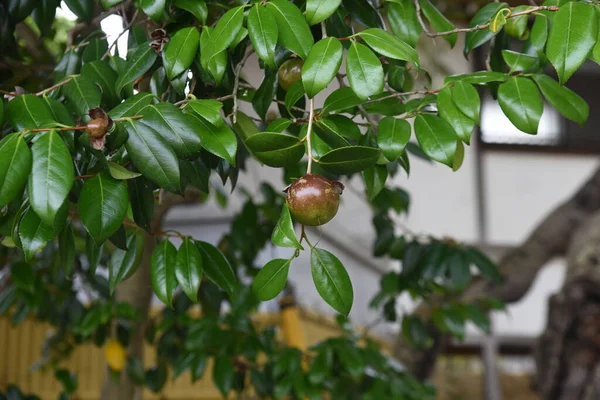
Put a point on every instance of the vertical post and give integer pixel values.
(491, 379)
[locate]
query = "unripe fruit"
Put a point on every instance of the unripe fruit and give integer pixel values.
(313, 200)
(290, 72)
(115, 354)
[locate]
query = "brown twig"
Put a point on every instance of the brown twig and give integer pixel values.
(127, 26)
(68, 128)
(236, 83)
(56, 86)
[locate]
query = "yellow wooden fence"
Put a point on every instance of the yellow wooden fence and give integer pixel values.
(20, 348)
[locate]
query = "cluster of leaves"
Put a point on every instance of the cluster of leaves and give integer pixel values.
(90, 154)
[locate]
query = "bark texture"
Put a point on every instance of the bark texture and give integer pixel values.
(137, 291)
(518, 267)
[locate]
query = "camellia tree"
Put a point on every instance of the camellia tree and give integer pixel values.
(98, 146)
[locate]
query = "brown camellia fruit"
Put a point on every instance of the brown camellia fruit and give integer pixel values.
(290, 72)
(313, 200)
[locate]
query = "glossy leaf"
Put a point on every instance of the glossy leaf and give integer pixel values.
(538, 36)
(321, 65)
(188, 268)
(196, 7)
(15, 167)
(263, 32)
(28, 112)
(294, 94)
(33, 234)
(363, 12)
(459, 156)
(375, 178)
(331, 134)
(162, 271)
(483, 16)
(103, 205)
(393, 135)
(69, 64)
(462, 125)
(123, 263)
(51, 176)
(132, 106)
(276, 149)
(216, 267)
(44, 14)
(103, 75)
(573, 34)
(294, 32)
(180, 132)
(141, 197)
(320, 10)
(346, 127)
(155, 9)
(180, 52)
(438, 21)
(261, 102)
(340, 99)
(119, 172)
(522, 103)
(478, 78)
(348, 160)
(219, 139)
(271, 279)
(519, 61)
(139, 61)
(466, 99)
(402, 17)
(84, 9)
(82, 94)
(568, 103)
(331, 280)
(436, 138)
(388, 45)
(283, 235)
(365, 73)
(66, 249)
(222, 35)
(152, 156)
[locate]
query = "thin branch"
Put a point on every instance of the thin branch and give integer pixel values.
(125, 29)
(311, 116)
(8, 93)
(59, 84)
(477, 27)
(68, 128)
(236, 83)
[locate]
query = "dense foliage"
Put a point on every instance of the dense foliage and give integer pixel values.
(92, 146)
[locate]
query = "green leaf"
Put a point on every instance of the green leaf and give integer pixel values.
(389, 46)
(216, 267)
(340, 99)
(180, 52)
(51, 176)
(487, 268)
(483, 16)
(294, 32)
(321, 65)
(15, 167)
(162, 272)
(393, 135)
(263, 32)
(216, 64)
(103, 205)
(218, 139)
(94, 50)
(23, 277)
(436, 138)
(568, 103)
(402, 17)
(141, 197)
(462, 125)
(538, 36)
(279, 125)
(573, 34)
(478, 78)
(180, 132)
(363, 12)
(222, 35)
(276, 149)
(44, 14)
(196, 7)
(327, 130)
(66, 249)
(459, 156)
(349, 160)
(139, 61)
(28, 112)
(119, 172)
(84, 9)
(223, 374)
(82, 94)
(499, 20)
(517, 26)
(102, 74)
(346, 127)
(132, 106)
(152, 156)
(331, 280)
(271, 279)
(466, 99)
(294, 93)
(33, 233)
(519, 61)
(188, 268)
(69, 64)
(283, 234)
(375, 178)
(438, 21)
(155, 9)
(319, 10)
(261, 102)
(93, 254)
(123, 263)
(364, 70)
(522, 103)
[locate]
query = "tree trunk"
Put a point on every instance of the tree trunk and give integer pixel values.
(518, 267)
(137, 291)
